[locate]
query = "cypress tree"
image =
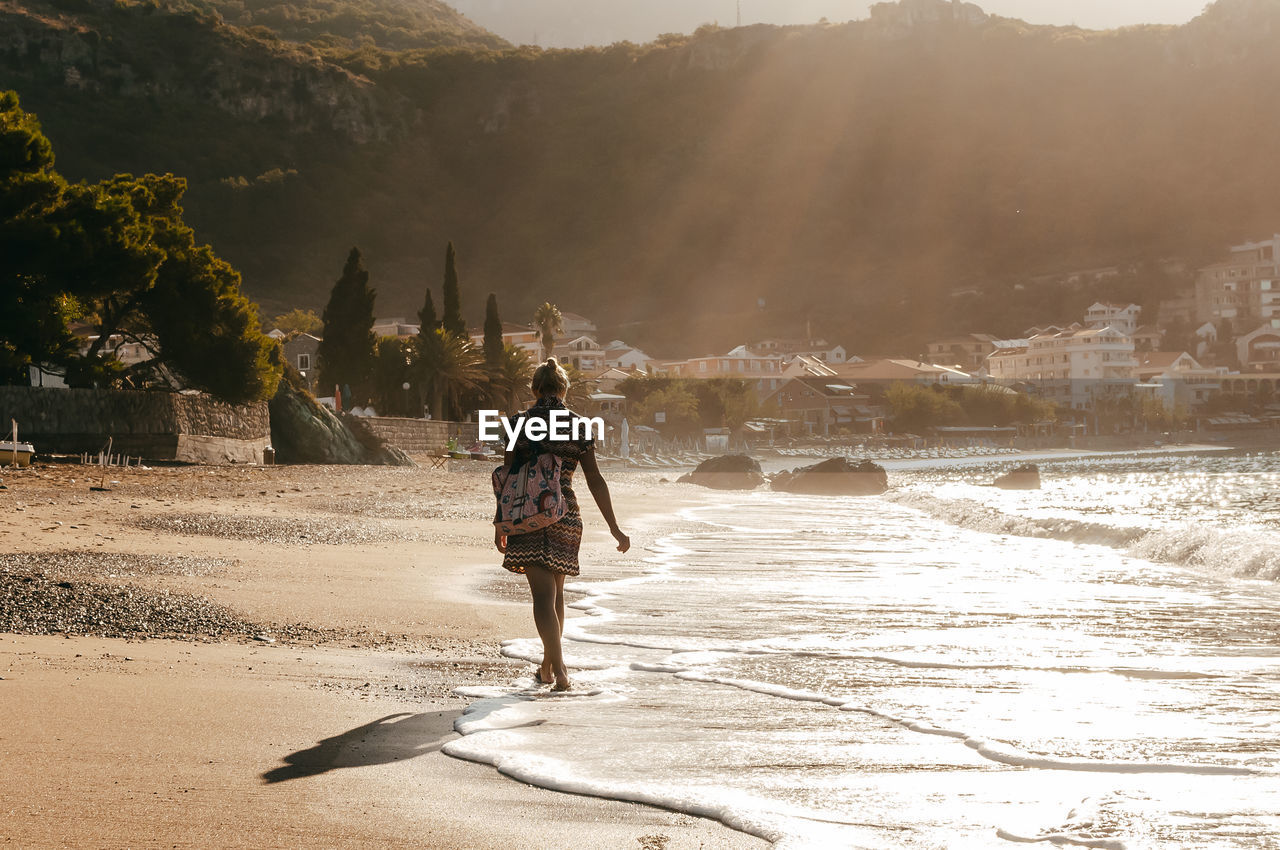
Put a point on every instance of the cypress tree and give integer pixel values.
(348, 350)
(492, 332)
(427, 319)
(452, 321)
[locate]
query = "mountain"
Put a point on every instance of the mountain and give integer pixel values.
(693, 190)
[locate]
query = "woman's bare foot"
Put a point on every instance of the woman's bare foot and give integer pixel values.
(544, 675)
(562, 681)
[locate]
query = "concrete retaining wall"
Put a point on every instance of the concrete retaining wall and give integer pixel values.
(153, 425)
(420, 435)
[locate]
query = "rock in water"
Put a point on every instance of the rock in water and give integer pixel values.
(727, 472)
(304, 431)
(837, 477)
(1025, 477)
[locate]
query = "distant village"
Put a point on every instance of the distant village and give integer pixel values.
(1100, 372)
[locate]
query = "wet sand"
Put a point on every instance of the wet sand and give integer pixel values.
(266, 656)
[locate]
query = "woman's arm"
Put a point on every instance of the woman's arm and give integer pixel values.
(500, 539)
(600, 492)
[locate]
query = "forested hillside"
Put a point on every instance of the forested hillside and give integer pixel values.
(847, 176)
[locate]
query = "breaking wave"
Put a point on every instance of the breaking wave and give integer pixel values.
(1241, 553)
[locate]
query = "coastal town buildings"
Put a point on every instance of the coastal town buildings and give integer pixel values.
(824, 406)
(1176, 379)
(1244, 288)
(1259, 350)
(522, 337)
(1072, 367)
(791, 348)
(967, 352)
(1122, 317)
(763, 371)
(583, 353)
(300, 352)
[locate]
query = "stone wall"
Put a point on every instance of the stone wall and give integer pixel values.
(153, 425)
(420, 435)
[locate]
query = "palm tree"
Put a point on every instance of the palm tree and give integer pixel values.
(549, 322)
(450, 366)
(511, 381)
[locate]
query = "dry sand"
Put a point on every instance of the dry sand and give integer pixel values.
(266, 657)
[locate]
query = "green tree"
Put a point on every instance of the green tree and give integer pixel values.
(449, 367)
(453, 321)
(549, 322)
(427, 319)
(119, 255)
(679, 406)
(393, 368)
(916, 408)
(347, 350)
(299, 320)
(512, 379)
(492, 332)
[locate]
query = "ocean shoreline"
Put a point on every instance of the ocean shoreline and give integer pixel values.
(317, 714)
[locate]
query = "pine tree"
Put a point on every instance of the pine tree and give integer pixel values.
(453, 321)
(492, 333)
(349, 348)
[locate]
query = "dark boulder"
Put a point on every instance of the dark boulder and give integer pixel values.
(1025, 477)
(836, 477)
(304, 431)
(727, 472)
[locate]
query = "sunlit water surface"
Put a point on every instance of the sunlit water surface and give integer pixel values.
(1093, 664)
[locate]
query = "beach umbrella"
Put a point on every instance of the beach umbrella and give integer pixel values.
(626, 444)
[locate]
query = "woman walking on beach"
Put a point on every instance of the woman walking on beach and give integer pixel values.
(546, 556)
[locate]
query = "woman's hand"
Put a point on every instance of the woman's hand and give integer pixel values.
(500, 541)
(624, 542)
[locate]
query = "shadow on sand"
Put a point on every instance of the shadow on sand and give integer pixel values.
(396, 737)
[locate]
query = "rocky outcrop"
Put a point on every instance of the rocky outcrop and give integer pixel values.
(836, 477)
(303, 431)
(727, 472)
(1025, 477)
(124, 55)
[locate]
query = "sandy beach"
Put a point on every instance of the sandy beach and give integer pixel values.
(267, 657)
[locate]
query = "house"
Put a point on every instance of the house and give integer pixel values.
(301, 352)
(890, 371)
(1122, 317)
(964, 351)
(764, 371)
(396, 327)
(522, 337)
(277, 334)
(1243, 288)
(1259, 351)
(1071, 367)
(1147, 338)
(620, 355)
(1176, 379)
(790, 348)
(1206, 337)
(818, 406)
(583, 353)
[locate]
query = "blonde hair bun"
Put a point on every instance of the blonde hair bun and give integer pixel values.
(550, 379)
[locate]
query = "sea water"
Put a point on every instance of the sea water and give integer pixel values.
(1093, 664)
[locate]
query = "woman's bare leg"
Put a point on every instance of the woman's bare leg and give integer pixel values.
(543, 586)
(560, 601)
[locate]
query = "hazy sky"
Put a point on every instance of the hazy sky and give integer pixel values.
(573, 23)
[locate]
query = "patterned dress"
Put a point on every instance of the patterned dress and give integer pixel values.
(555, 547)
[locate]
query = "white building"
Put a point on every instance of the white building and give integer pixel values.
(622, 356)
(1122, 317)
(396, 327)
(584, 353)
(764, 370)
(1071, 367)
